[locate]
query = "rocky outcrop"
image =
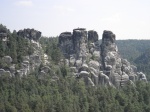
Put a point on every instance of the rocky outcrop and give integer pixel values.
(7, 59)
(92, 36)
(80, 44)
(4, 72)
(31, 62)
(66, 43)
(97, 64)
(30, 34)
(3, 36)
(119, 70)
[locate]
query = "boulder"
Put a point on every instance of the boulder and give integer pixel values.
(83, 74)
(142, 76)
(72, 61)
(78, 63)
(94, 64)
(7, 59)
(96, 55)
(84, 67)
(46, 69)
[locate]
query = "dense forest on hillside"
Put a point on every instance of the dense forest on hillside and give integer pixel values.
(137, 52)
(132, 49)
(68, 94)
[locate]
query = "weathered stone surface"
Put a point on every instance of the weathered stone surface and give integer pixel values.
(84, 74)
(66, 43)
(46, 69)
(30, 34)
(103, 79)
(94, 64)
(92, 36)
(96, 55)
(142, 76)
(3, 36)
(97, 64)
(80, 45)
(72, 60)
(7, 59)
(3, 72)
(78, 63)
(90, 82)
(84, 67)
(95, 78)
(108, 37)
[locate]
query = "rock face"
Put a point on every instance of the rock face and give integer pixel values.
(80, 44)
(66, 43)
(30, 34)
(29, 62)
(97, 64)
(92, 36)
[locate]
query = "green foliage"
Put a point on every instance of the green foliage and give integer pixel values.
(15, 46)
(131, 49)
(69, 95)
(50, 46)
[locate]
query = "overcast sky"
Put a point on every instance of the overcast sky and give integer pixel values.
(128, 19)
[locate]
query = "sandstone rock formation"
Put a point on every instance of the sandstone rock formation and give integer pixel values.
(29, 62)
(97, 64)
(92, 36)
(30, 34)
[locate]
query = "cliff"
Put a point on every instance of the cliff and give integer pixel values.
(97, 63)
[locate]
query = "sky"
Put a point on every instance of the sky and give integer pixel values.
(128, 19)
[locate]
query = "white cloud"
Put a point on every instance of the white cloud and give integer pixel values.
(63, 9)
(112, 19)
(27, 3)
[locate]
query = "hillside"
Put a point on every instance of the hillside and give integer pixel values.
(131, 49)
(69, 73)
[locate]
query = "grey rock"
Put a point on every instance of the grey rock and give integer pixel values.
(3, 36)
(94, 64)
(96, 55)
(103, 79)
(46, 69)
(72, 61)
(66, 43)
(142, 76)
(108, 37)
(7, 59)
(90, 82)
(3, 72)
(84, 74)
(80, 45)
(95, 71)
(30, 34)
(95, 78)
(84, 67)
(92, 36)
(78, 63)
